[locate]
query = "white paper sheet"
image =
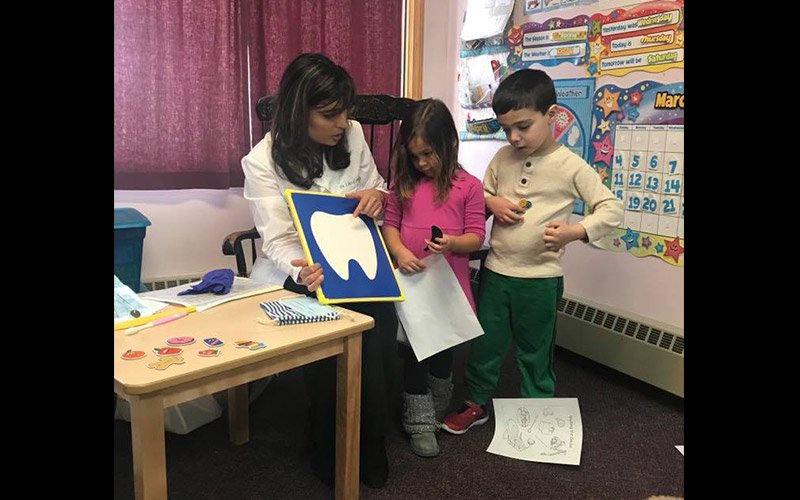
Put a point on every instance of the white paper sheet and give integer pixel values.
(436, 314)
(241, 288)
(538, 430)
(680, 449)
(486, 18)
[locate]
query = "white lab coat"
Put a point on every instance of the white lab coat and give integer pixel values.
(263, 189)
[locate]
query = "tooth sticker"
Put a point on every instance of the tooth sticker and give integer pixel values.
(359, 246)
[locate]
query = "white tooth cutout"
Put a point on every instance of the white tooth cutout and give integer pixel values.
(343, 237)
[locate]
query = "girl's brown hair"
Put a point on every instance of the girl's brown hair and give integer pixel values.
(432, 122)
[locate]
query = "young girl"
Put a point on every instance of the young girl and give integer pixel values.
(431, 188)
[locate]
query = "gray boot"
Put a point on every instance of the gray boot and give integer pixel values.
(442, 391)
(419, 422)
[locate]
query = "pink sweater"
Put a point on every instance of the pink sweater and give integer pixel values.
(462, 212)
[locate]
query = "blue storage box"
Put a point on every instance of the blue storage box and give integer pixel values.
(129, 231)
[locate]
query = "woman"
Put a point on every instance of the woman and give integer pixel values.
(313, 146)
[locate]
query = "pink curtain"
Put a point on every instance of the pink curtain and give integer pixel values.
(179, 94)
(181, 108)
(363, 36)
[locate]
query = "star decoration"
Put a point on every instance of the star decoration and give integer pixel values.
(636, 96)
(595, 29)
(646, 242)
(551, 24)
(674, 248)
(596, 48)
(518, 50)
(603, 150)
(616, 242)
(633, 113)
(631, 238)
(659, 248)
(558, 23)
(592, 68)
(608, 102)
(604, 125)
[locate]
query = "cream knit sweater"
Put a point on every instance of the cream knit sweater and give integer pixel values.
(551, 183)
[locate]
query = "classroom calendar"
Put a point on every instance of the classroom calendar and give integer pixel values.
(637, 148)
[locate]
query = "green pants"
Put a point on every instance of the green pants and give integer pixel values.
(523, 309)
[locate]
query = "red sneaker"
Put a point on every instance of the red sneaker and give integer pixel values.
(459, 422)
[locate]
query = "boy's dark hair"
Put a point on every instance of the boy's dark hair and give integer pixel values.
(310, 81)
(432, 122)
(526, 88)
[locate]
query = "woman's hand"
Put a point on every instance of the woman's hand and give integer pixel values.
(407, 263)
(310, 276)
(504, 210)
(370, 202)
(443, 244)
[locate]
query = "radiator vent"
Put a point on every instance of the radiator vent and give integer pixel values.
(599, 317)
(642, 333)
(580, 310)
(169, 282)
(656, 337)
(678, 346)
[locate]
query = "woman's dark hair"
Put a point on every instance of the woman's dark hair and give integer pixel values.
(310, 81)
(432, 122)
(524, 89)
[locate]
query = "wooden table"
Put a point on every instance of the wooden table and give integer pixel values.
(149, 390)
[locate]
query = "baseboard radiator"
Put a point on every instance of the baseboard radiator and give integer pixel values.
(168, 282)
(639, 347)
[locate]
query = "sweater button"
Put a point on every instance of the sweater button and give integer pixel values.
(524, 181)
(528, 164)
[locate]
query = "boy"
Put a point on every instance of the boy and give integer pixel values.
(530, 187)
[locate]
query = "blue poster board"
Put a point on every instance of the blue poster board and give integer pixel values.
(351, 251)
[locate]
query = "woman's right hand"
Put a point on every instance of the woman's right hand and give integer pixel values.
(407, 263)
(504, 210)
(310, 276)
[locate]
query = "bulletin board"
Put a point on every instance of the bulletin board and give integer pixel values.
(631, 133)
(354, 259)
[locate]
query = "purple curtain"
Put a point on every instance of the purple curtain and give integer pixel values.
(179, 94)
(181, 108)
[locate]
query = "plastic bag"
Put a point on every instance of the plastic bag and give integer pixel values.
(182, 418)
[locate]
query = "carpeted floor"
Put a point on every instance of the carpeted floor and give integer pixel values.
(630, 433)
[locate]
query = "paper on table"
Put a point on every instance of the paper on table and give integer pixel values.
(436, 314)
(486, 18)
(126, 300)
(241, 288)
(538, 430)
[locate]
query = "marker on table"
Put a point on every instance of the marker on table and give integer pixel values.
(156, 322)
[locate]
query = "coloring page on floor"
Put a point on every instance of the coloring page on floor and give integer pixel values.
(538, 430)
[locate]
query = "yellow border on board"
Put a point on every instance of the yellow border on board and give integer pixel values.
(320, 295)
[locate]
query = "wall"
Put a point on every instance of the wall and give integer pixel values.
(647, 286)
(188, 226)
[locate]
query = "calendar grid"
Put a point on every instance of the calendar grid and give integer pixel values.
(647, 175)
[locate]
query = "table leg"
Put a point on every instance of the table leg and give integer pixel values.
(149, 455)
(348, 418)
(238, 414)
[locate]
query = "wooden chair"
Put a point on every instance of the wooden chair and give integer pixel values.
(370, 109)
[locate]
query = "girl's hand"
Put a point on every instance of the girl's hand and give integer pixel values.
(310, 276)
(504, 210)
(407, 263)
(559, 233)
(370, 202)
(443, 244)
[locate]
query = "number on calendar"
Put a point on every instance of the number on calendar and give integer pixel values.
(669, 206)
(635, 179)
